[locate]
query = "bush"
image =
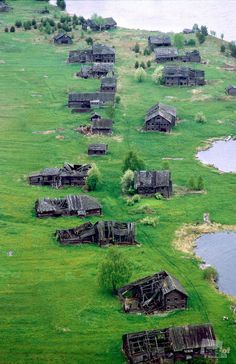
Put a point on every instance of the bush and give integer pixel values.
(145, 209)
(133, 162)
(149, 64)
(140, 75)
(210, 274)
(200, 184)
(12, 29)
(232, 48)
(135, 199)
(33, 22)
(115, 271)
(142, 64)
(136, 65)
(157, 74)
(201, 37)
(6, 30)
(146, 52)
(18, 23)
(117, 99)
(200, 118)
(204, 30)
(136, 48)
(222, 48)
(150, 221)
(27, 25)
(93, 179)
(158, 196)
(165, 165)
(179, 40)
(61, 4)
(191, 184)
(191, 42)
(127, 182)
(89, 40)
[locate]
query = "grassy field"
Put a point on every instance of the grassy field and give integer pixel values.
(51, 307)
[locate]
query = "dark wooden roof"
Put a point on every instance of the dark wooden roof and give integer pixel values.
(165, 111)
(159, 40)
(152, 179)
(80, 170)
(92, 96)
(102, 147)
(61, 35)
(166, 52)
(175, 71)
(230, 87)
(108, 82)
(102, 124)
(102, 49)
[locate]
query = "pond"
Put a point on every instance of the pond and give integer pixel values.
(222, 155)
(163, 15)
(219, 250)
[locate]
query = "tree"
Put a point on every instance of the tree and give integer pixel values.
(195, 28)
(200, 184)
(222, 36)
(114, 271)
(117, 99)
(27, 25)
(191, 42)
(136, 65)
(61, 4)
(12, 29)
(200, 118)
(6, 30)
(157, 74)
(18, 23)
(127, 182)
(98, 20)
(136, 48)
(133, 162)
(204, 30)
(142, 64)
(89, 40)
(140, 75)
(201, 37)
(222, 48)
(179, 40)
(149, 63)
(232, 48)
(191, 184)
(146, 51)
(93, 179)
(213, 33)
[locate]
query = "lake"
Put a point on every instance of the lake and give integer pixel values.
(222, 154)
(219, 250)
(163, 15)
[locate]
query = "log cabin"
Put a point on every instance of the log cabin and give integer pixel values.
(108, 84)
(102, 126)
(166, 54)
(107, 24)
(152, 182)
(97, 149)
(62, 38)
(171, 345)
(79, 205)
(85, 101)
(183, 76)
(158, 41)
(160, 118)
(152, 294)
(97, 70)
(193, 56)
(99, 53)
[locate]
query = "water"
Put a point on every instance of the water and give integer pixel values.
(222, 155)
(163, 15)
(219, 250)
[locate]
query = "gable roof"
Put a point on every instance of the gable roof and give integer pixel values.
(152, 179)
(102, 147)
(175, 71)
(91, 96)
(166, 52)
(102, 49)
(67, 170)
(108, 82)
(110, 21)
(61, 35)
(166, 111)
(102, 124)
(159, 40)
(230, 87)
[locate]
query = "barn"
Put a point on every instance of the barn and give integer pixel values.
(166, 54)
(183, 76)
(160, 118)
(152, 182)
(108, 84)
(102, 126)
(62, 38)
(158, 41)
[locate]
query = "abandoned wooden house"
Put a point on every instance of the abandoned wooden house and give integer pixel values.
(171, 345)
(152, 182)
(166, 54)
(97, 70)
(99, 53)
(79, 205)
(231, 90)
(108, 84)
(193, 56)
(68, 175)
(102, 233)
(152, 294)
(97, 149)
(95, 116)
(102, 126)
(62, 38)
(82, 102)
(158, 41)
(183, 76)
(4, 7)
(188, 31)
(106, 24)
(161, 118)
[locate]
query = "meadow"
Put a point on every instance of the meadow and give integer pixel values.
(52, 309)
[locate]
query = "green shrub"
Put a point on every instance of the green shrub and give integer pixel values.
(136, 48)
(150, 221)
(142, 64)
(117, 99)
(210, 274)
(140, 75)
(145, 209)
(94, 178)
(136, 65)
(146, 52)
(127, 182)
(89, 40)
(222, 48)
(6, 30)
(159, 196)
(200, 184)
(201, 37)
(18, 23)
(149, 64)
(27, 25)
(12, 29)
(200, 118)
(133, 162)
(191, 184)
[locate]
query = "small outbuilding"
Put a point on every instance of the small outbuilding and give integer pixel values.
(102, 126)
(231, 90)
(152, 294)
(159, 41)
(97, 149)
(108, 84)
(166, 54)
(95, 117)
(62, 38)
(79, 205)
(193, 56)
(152, 182)
(160, 118)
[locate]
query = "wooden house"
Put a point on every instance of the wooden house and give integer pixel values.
(166, 54)
(102, 233)
(85, 101)
(152, 294)
(68, 175)
(108, 84)
(79, 205)
(152, 182)
(102, 126)
(107, 24)
(97, 70)
(193, 56)
(99, 53)
(160, 117)
(183, 76)
(158, 41)
(81, 56)
(95, 116)
(188, 31)
(97, 149)
(62, 38)
(4, 7)
(231, 90)
(171, 345)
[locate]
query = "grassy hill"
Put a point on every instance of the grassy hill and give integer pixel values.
(51, 307)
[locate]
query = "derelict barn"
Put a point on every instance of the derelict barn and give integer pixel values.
(85, 101)
(107, 24)
(169, 345)
(102, 126)
(231, 90)
(79, 205)
(68, 175)
(108, 84)
(102, 233)
(151, 182)
(166, 54)
(158, 41)
(160, 292)
(161, 118)
(99, 53)
(183, 76)
(62, 38)
(97, 149)
(97, 70)
(193, 56)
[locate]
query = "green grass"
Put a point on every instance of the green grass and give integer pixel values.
(51, 308)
